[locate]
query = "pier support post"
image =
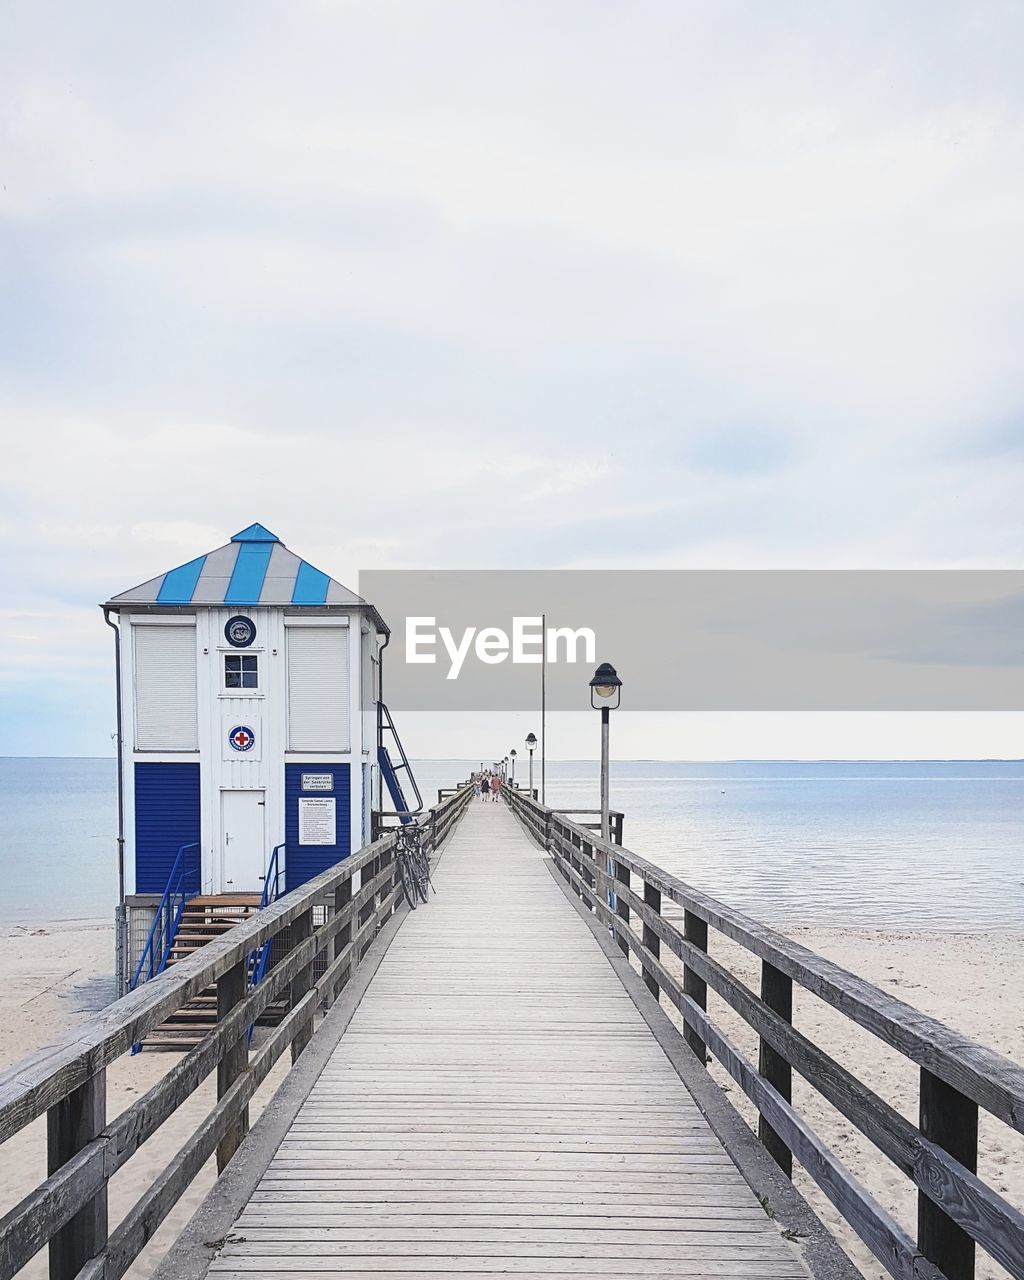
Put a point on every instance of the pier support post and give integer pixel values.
(777, 994)
(587, 851)
(231, 989)
(342, 899)
(695, 931)
(950, 1120)
(302, 928)
(621, 906)
(652, 897)
(72, 1124)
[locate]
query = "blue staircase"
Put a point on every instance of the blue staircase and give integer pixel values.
(256, 966)
(186, 920)
(393, 762)
(182, 884)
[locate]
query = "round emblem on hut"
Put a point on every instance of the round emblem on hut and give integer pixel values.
(242, 738)
(240, 631)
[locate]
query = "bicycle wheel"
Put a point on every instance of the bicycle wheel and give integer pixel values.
(406, 877)
(421, 874)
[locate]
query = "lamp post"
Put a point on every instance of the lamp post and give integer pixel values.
(512, 757)
(604, 687)
(531, 746)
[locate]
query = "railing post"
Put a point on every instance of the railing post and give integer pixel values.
(231, 989)
(621, 906)
(777, 994)
(342, 899)
(950, 1120)
(652, 898)
(301, 929)
(585, 873)
(72, 1124)
(695, 931)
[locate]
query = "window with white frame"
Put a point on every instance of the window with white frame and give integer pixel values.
(318, 689)
(241, 671)
(165, 687)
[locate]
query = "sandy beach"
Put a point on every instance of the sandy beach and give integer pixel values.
(970, 981)
(50, 978)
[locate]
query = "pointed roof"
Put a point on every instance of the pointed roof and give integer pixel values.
(255, 533)
(254, 568)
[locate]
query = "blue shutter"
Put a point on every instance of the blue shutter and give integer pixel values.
(304, 861)
(166, 817)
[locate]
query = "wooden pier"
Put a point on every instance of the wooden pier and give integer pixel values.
(498, 1105)
(495, 1087)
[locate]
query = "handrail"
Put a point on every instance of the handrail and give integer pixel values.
(167, 918)
(956, 1208)
(615, 820)
(67, 1079)
(256, 966)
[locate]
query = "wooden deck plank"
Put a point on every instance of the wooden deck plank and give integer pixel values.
(498, 1105)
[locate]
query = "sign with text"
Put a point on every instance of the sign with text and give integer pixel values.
(317, 782)
(318, 820)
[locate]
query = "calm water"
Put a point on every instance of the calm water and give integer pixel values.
(900, 845)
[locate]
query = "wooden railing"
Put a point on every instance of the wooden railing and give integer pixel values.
(615, 820)
(67, 1080)
(956, 1209)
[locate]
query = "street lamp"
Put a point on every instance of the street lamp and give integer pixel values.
(605, 686)
(531, 746)
(512, 757)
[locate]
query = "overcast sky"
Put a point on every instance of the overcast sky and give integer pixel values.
(516, 284)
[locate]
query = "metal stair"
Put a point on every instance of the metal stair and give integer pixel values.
(203, 919)
(387, 756)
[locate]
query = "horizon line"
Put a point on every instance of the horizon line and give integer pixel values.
(679, 760)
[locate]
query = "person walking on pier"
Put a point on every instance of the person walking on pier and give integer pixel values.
(495, 786)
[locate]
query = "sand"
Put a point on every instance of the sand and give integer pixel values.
(972, 982)
(51, 978)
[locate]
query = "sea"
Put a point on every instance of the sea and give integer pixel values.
(891, 845)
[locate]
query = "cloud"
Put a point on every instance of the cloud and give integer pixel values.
(469, 284)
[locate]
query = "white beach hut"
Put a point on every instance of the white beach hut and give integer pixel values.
(248, 690)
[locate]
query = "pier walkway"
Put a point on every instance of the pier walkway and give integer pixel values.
(492, 1084)
(498, 1104)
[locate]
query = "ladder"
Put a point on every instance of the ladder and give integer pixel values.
(393, 762)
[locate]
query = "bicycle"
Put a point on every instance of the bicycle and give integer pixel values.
(413, 864)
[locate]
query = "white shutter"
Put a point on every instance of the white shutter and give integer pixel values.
(165, 688)
(318, 689)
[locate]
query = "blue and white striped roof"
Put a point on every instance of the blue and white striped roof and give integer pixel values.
(254, 568)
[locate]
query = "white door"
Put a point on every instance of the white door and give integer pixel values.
(242, 823)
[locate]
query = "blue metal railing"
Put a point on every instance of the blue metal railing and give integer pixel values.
(182, 884)
(256, 964)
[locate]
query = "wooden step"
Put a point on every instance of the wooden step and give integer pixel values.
(190, 935)
(204, 919)
(225, 900)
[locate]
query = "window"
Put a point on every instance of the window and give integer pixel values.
(241, 671)
(165, 688)
(318, 689)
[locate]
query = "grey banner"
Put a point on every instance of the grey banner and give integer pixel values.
(687, 640)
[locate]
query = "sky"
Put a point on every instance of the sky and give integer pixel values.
(443, 285)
